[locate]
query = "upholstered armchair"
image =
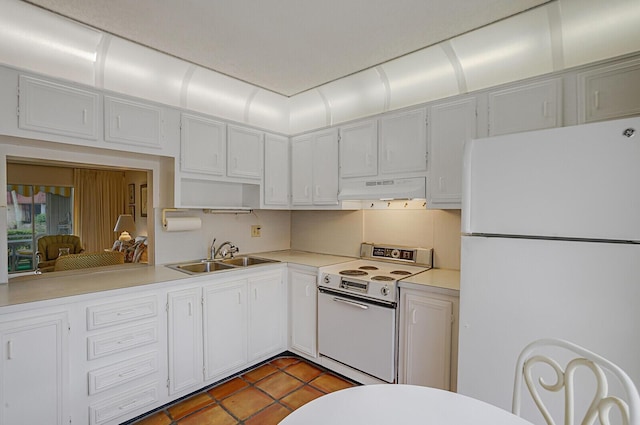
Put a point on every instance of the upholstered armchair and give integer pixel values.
(88, 260)
(49, 249)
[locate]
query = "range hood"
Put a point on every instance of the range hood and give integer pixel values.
(404, 188)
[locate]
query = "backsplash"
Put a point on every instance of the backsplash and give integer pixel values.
(327, 232)
(341, 232)
(194, 244)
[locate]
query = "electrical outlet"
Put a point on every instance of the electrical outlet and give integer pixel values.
(256, 231)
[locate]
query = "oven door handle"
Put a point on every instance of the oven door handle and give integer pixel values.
(351, 303)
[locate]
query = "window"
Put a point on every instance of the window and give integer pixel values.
(34, 211)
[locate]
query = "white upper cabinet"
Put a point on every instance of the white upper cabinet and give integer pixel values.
(325, 168)
(452, 124)
(132, 122)
(276, 171)
(244, 152)
(203, 145)
(359, 149)
(526, 107)
(403, 142)
(314, 168)
(301, 170)
(54, 108)
(609, 92)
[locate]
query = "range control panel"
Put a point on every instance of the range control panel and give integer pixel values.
(395, 253)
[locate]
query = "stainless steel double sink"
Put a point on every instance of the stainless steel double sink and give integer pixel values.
(210, 266)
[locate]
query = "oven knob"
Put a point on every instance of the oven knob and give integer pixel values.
(395, 253)
(326, 278)
(384, 290)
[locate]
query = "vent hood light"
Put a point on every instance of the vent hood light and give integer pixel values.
(408, 204)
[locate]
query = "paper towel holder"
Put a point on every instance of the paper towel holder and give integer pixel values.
(164, 214)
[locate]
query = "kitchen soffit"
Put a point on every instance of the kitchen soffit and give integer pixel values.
(287, 46)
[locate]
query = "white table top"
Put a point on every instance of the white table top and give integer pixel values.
(399, 404)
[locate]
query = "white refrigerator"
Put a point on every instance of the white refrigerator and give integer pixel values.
(550, 248)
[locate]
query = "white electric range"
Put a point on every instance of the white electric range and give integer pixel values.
(357, 307)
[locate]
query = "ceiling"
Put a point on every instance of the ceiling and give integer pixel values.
(287, 46)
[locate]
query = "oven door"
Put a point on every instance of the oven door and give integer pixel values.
(358, 333)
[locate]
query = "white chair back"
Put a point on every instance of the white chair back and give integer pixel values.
(628, 405)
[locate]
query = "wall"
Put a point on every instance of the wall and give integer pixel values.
(190, 245)
(341, 232)
(137, 178)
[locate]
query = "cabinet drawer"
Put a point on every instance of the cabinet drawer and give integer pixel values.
(122, 340)
(110, 376)
(104, 315)
(123, 404)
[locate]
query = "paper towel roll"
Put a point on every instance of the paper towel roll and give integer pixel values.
(179, 224)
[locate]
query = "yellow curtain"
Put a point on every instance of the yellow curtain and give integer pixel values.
(99, 198)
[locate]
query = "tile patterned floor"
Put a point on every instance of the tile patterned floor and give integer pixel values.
(264, 395)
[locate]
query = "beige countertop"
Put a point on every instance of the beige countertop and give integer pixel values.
(48, 286)
(58, 285)
(443, 279)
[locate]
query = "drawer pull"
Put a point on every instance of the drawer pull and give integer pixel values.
(127, 373)
(125, 340)
(125, 312)
(128, 405)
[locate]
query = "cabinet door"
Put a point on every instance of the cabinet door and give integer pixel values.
(33, 370)
(530, 107)
(132, 123)
(202, 145)
(244, 152)
(302, 312)
(452, 124)
(225, 327)
(609, 92)
(276, 171)
(58, 109)
(301, 170)
(185, 339)
(425, 340)
(403, 142)
(359, 149)
(325, 168)
(266, 316)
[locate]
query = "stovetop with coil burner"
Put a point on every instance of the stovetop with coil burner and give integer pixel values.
(377, 273)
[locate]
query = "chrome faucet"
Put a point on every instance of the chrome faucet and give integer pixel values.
(225, 248)
(212, 250)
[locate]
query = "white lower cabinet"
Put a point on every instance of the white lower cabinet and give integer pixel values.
(303, 307)
(267, 310)
(184, 339)
(225, 327)
(123, 367)
(222, 326)
(426, 336)
(34, 370)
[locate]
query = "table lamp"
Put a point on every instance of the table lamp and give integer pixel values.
(124, 223)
